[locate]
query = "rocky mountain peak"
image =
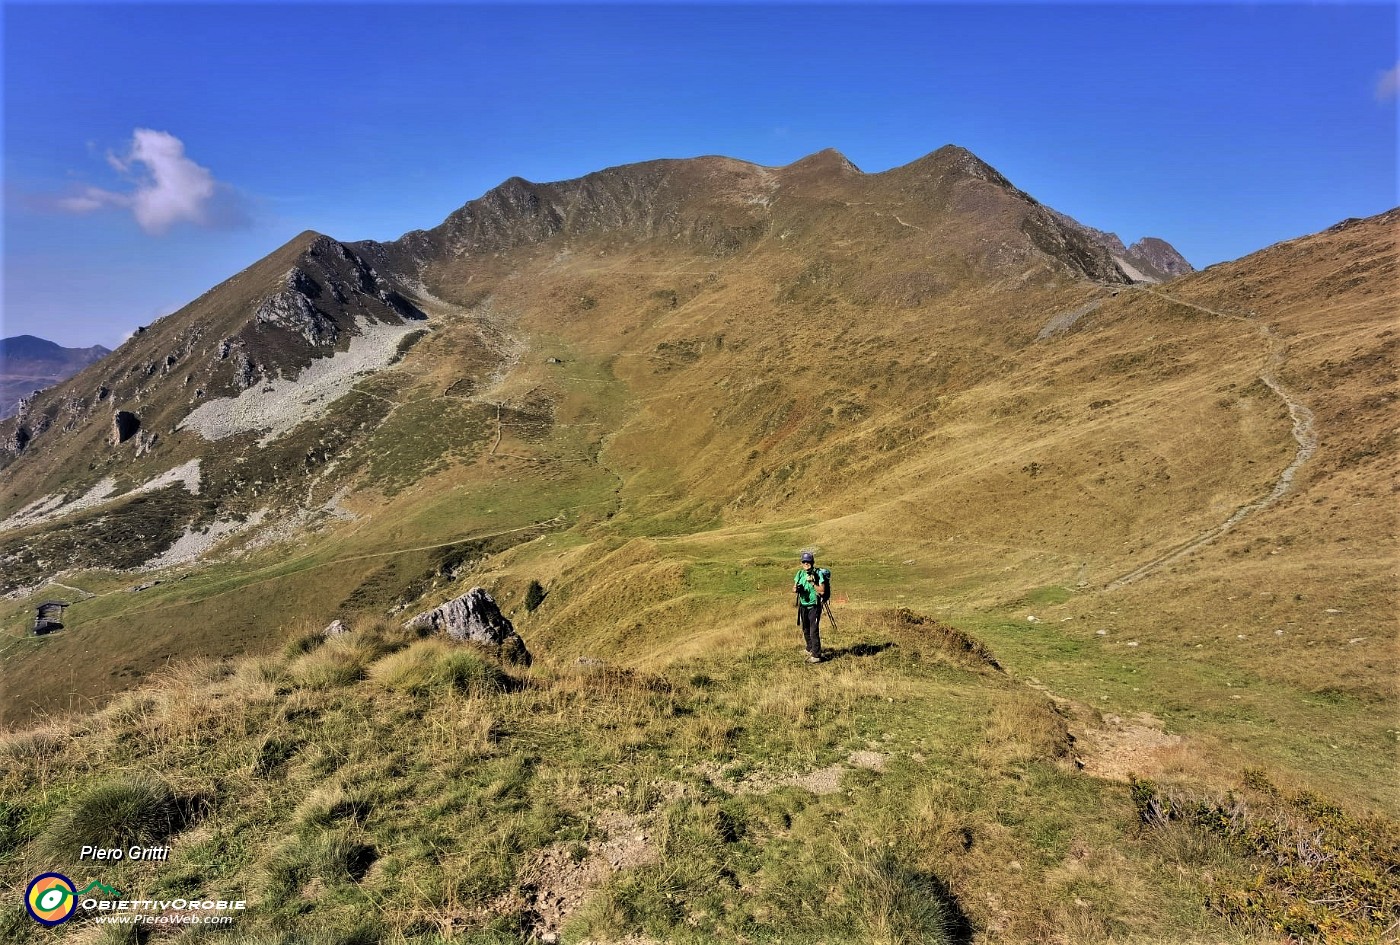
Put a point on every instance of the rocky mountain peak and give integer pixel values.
(326, 290)
(1161, 256)
(952, 162)
(304, 301)
(1148, 260)
(825, 160)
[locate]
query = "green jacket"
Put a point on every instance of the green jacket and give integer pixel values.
(805, 583)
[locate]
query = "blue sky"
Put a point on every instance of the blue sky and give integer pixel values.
(151, 151)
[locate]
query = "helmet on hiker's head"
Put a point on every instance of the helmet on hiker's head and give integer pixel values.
(808, 558)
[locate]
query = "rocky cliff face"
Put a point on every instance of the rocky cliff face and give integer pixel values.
(326, 291)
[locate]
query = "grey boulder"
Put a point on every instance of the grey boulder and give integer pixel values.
(474, 618)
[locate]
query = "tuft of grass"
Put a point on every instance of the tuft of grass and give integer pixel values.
(437, 666)
(334, 857)
(13, 833)
(335, 664)
(274, 752)
(33, 745)
(305, 642)
(131, 809)
(894, 903)
(1025, 727)
(329, 804)
(329, 672)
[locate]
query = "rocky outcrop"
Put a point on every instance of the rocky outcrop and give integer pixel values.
(328, 283)
(1072, 247)
(474, 618)
(18, 439)
(146, 441)
(292, 309)
(125, 425)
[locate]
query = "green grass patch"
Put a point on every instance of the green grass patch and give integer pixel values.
(436, 665)
(132, 809)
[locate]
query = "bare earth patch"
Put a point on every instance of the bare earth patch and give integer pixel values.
(820, 781)
(53, 507)
(1121, 746)
(195, 544)
(559, 878)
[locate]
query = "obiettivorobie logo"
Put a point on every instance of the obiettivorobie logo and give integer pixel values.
(51, 899)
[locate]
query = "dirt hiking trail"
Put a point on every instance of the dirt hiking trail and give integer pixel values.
(1304, 433)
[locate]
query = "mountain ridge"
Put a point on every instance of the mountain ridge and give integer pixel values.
(1100, 546)
(720, 204)
(959, 250)
(29, 364)
(1150, 259)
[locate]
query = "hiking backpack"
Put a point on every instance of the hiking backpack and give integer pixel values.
(824, 579)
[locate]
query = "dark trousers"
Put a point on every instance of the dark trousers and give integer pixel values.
(810, 619)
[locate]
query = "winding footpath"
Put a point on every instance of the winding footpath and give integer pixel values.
(1304, 433)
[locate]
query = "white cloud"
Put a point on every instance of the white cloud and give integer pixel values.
(1388, 86)
(168, 187)
(93, 198)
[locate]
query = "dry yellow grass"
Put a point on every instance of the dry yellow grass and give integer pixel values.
(939, 453)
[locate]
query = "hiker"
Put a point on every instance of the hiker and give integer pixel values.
(810, 586)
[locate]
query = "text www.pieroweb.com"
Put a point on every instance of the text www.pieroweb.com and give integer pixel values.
(161, 919)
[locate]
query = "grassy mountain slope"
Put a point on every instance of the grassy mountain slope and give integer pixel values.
(649, 389)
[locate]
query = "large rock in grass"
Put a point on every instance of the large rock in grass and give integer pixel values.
(475, 618)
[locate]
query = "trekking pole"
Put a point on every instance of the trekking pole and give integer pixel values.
(831, 616)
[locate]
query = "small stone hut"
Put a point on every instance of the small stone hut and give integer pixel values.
(50, 617)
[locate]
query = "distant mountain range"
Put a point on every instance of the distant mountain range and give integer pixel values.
(28, 364)
(1089, 513)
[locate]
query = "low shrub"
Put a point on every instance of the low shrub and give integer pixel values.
(1320, 874)
(534, 596)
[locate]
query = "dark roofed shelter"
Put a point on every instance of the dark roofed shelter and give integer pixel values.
(50, 617)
